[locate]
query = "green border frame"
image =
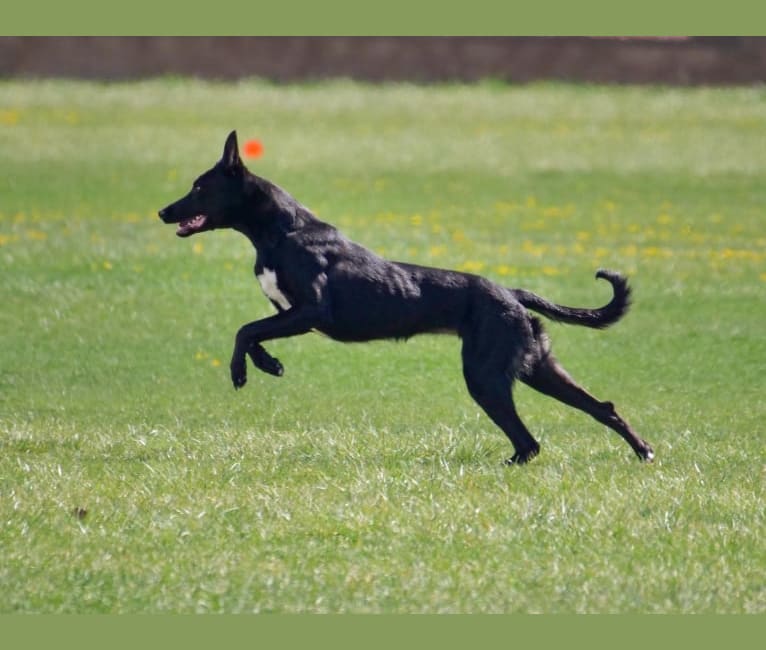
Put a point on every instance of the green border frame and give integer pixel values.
(347, 17)
(371, 631)
(393, 17)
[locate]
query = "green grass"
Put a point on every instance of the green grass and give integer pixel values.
(365, 479)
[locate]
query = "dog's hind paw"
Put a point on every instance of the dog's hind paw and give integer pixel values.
(521, 458)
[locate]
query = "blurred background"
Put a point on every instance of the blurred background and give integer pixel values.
(666, 60)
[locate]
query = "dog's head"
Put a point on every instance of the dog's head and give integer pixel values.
(216, 197)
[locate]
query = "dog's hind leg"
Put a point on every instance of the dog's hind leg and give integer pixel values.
(548, 377)
(490, 384)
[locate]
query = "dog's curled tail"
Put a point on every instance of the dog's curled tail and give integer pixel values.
(598, 318)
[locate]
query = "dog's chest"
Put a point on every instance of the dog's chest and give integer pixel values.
(268, 281)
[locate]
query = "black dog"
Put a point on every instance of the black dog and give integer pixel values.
(319, 280)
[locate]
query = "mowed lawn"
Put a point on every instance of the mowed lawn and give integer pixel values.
(133, 478)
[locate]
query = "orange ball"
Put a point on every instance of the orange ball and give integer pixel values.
(253, 149)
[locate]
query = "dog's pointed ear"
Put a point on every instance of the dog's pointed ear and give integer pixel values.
(230, 158)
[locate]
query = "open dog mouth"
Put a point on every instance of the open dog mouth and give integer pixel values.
(188, 227)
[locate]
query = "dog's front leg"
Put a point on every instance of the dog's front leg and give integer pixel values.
(249, 337)
(264, 361)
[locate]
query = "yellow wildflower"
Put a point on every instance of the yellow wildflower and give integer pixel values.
(471, 266)
(36, 235)
(631, 250)
(9, 117)
(504, 269)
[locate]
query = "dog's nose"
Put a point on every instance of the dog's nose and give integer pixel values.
(163, 213)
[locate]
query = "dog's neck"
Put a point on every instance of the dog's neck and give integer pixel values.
(270, 214)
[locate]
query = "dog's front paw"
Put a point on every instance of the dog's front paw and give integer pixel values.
(238, 372)
(272, 366)
(265, 362)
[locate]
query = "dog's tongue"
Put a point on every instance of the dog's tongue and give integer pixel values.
(189, 226)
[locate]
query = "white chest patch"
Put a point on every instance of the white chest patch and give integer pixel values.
(268, 280)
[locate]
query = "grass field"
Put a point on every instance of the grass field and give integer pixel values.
(133, 478)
